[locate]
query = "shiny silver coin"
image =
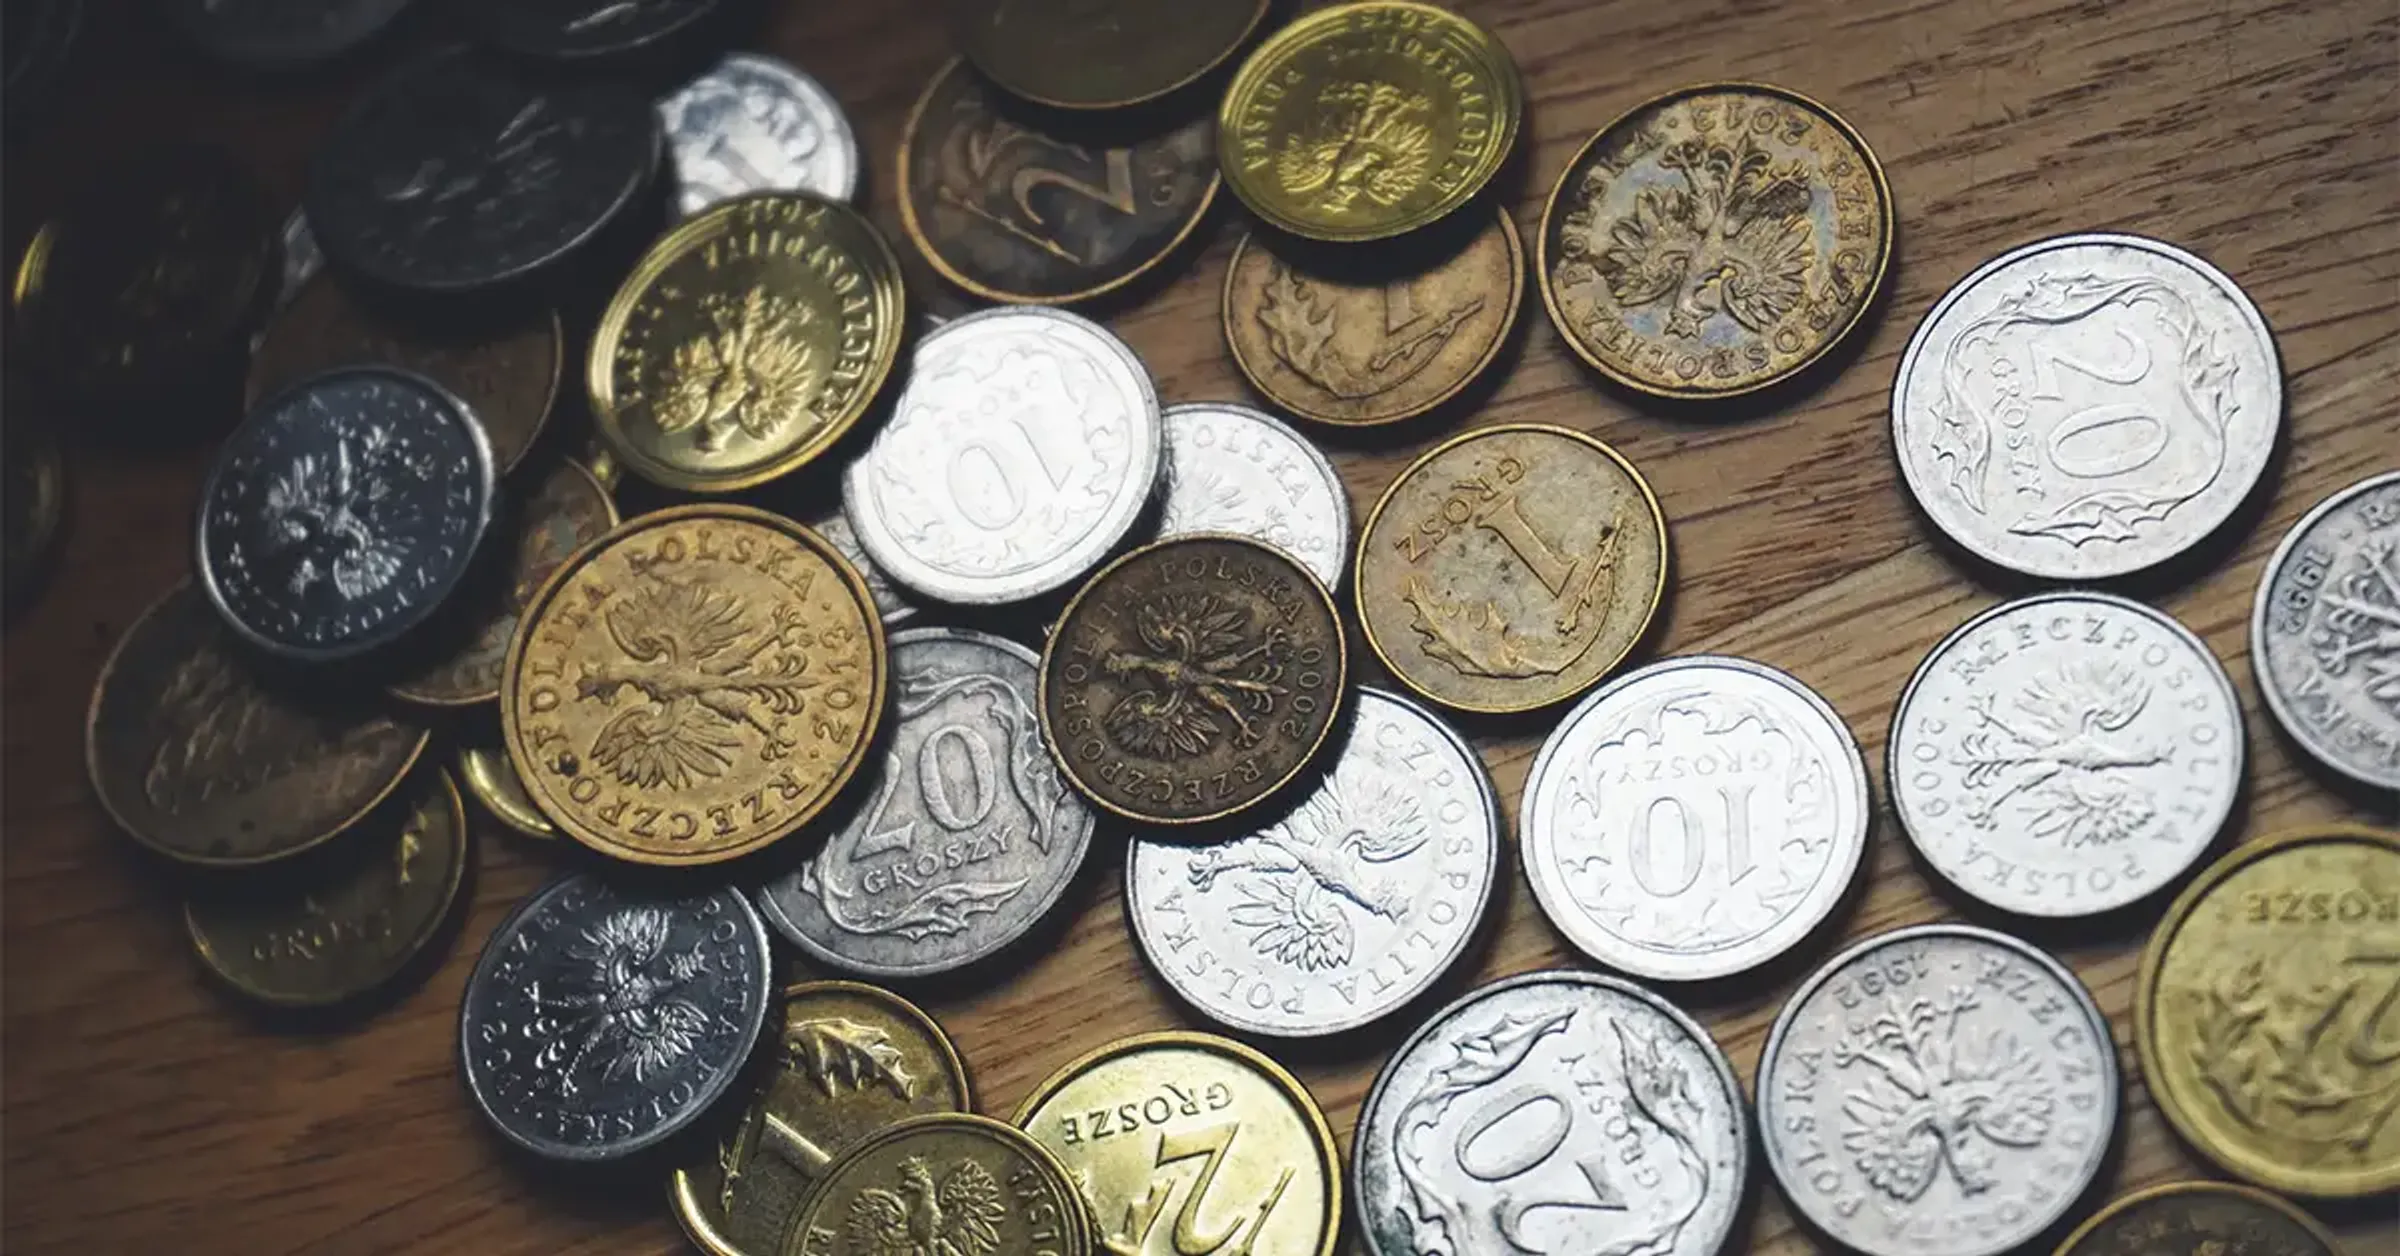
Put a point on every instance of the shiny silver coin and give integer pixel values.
(754, 124)
(1553, 1112)
(1941, 1090)
(2066, 754)
(1344, 910)
(302, 259)
(1022, 450)
(1233, 469)
(2325, 632)
(603, 1020)
(1694, 819)
(968, 837)
(894, 608)
(2087, 406)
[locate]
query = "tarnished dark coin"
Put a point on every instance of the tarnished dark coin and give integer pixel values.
(33, 497)
(578, 30)
(755, 124)
(36, 39)
(281, 34)
(1100, 54)
(1193, 678)
(2200, 1219)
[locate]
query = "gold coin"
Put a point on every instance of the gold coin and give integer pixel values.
(2200, 1219)
(346, 922)
(492, 779)
(1369, 120)
(747, 341)
(1714, 241)
(198, 757)
(2267, 1013)
(1100, 54)
(1510, 568)
(693, 686)
(1190, 1142)
(1337, 349)
(951, 1182)
(851, 1060)
(602, 464)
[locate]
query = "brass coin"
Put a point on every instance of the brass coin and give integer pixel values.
(1714, 241)
(1192, 678)
(567, 511)
(197, 759)
(747, 341)
(850, 1060)
(1012, 214)
(1100, 54)
(1341, 351)
(693, 686)
(2200, 1219)
(343, 927)
(1510, 568)
(1141, 1117)
(492, 779)
(951, 1182)
(2267, 1012)
(35, 498)
(1369, 120)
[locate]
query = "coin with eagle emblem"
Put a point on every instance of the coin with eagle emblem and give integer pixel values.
(947, 1182)
(2200, 1219)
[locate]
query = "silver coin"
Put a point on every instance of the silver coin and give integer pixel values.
(894, 609)
(968, 837)
(1695, 818)
(302, 259)
(2325, 632)
(1230, 468)
(1023, 449)
(1553, 1112)
(753, 124)
(1940, 1090)
(2087, 406)
(1342, 911)
(2066, 754)
(602, 1020)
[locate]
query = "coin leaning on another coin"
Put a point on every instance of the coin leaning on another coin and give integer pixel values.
(1230, 468)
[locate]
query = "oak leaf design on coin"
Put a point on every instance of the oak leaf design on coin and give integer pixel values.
(321, 512)
(958, 1217)
(1934, 1102)
(1203, 661)
(2362, 621)
(2258, 1050)
(624, 1001)
(1303, 870)
(753, 371)
(699, 671)
(1735, 238)
(1480, 641)
(2067, 746)
(1368, 142)
(835, 1051)
(1301, 331)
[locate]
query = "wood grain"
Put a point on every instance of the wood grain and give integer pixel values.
(145, 1113)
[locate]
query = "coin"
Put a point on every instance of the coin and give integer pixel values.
(2066, 754)
(1369, 120)
(2200, 1219)
(967, 841)
(2087, 406)
(1938, 1090)
(748, 340)
(1230, 468)
(1011, 212)
(341, 928)
(35, 499)
(750, 124)
(1334, 349)
(968, 1183)
(492, 779)
(1022, 449)
(582, 30)
(1510, 567)
(279, 35)
(835, 527)
(1137, 1117)
(302, 260)
(1077, 54)
(1714, 241)
(2325, 632)
(695, 685)
(1553, 1112)
(2263, 1014)
(604, 1019)
(199, 761)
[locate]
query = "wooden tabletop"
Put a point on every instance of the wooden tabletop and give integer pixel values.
(145, 1112)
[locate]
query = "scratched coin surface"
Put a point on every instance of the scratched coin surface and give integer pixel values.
(2264, 1014)
(965, 839)
(2087, 406)
(1100, 54)
(2066, 754)
(948, 1182)
(750, 124)
(694, 686)
(1202, 1125)
(1510, 568)
(586, 30)
(603, 1018)
(1343, 911)
(2325, 632)
(279, 35)
(1715, 241)
(1553, 1112)
(2200, 1219)
(1938, 1090)
(1230, 468)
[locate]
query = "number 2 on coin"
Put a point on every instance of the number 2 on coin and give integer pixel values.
(1208, 1145)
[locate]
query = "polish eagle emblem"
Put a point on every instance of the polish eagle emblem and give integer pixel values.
(1736, 238)
(627, 1001)
(959, 1216)
(697, 673)
(1309, 872)
(319, 529)
(1194, 678)
(1933, 1102)
(751, 372)
(1369, 141)
(2069, 749)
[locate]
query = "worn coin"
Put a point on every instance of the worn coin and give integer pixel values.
(2264, 1012)
(2066, 754)
(1100, 54)
(603, 1019)
(277, 35)
(1715, 241)
(1939, 1090)
(492, 780)
(695, 685)
(750, 124)
(1343, 911)
(2325, 632)
(747, 341)
(583, 30)
(33, 495)
(2087, 406)
(966, 1183)
(302, 261)
(2200, 1219)
(197, 759)
(1230, 468)
(890, 603)
(1510, 568)
(1143, 1115)
(1023, 448)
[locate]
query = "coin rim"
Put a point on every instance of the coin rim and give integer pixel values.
(469, 760)
(1883, 257)
(2277, 703)
(1257, 16)
(802, 84)
(1316, 458)
(1076, 1232)
(46, 517)
(2269, 1201)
